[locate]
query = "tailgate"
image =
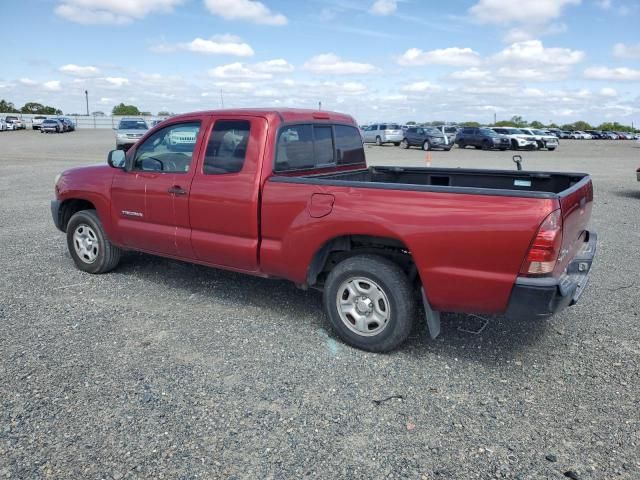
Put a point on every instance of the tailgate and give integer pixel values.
(575, 205)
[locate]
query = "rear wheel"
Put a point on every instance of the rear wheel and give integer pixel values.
(397, 144)
(404, 144)
(378, 141)
(551, 149)
(370, 304)
(461, 145)
(88, 244)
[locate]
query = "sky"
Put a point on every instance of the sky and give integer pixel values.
(378, 60)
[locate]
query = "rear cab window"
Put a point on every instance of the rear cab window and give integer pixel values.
(311, 146)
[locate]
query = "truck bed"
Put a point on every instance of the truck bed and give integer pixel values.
(474, 181)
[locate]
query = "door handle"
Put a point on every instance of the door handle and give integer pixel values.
(177, 190)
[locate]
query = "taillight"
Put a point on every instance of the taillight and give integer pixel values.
(545, 248)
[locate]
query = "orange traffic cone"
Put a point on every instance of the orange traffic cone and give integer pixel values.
(427, 157)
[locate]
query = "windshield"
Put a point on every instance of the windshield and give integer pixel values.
(538, 132)
(433, 131)
(133, 125)
(514, 131)
(488, 132)
(393, 126)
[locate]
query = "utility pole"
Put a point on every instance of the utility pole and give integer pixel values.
(319, 105)
(86, 97)
(221, 100)
(494, 118)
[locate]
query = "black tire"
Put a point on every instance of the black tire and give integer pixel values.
(426, 146)
(393, 282)
(108, 255)
(486, 145)
(551, 149)
(378, 141)
(404, 144)
(397, 144)
(514, 145)
(461, 145)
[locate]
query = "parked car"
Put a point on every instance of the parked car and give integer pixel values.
(624, 136)
(638, 174)
(565, 134)
(51, 125)
(17, 123)
(555, 132)
(481, 137)
(609, 135)
(3, 125)
(580, 135)
(427, 138)
(37, 121)
(381, 133)
(450, 131)
(595, 134)
(544, 140)
(465, 240)
(517, 138)
(129, 131)
(69, 125)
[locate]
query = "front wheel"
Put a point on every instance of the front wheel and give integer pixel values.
(370, 303)
(378, 141)
(426, 146)
(404, 144)
(88, 244)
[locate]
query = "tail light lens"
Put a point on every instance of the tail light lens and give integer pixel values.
(545, 248)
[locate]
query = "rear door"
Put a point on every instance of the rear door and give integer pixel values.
(150, 200)
(224, 195)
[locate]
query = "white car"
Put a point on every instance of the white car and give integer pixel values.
(580, 135)
(3, 125)
(544, 140)
(517, 138)
(37, 121)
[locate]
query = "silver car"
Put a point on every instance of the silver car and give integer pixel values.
(381, 133)
(129, 131)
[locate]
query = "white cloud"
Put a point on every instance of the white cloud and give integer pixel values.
(27, 82)
(526, 12)
(117, 82)
(384, 7)
(79, 71)
(420, 87)
(604, 4)
(533, 74)
(534, 52)
(52, 86)
(116, 12)
(247, 10)
(626, 51)
(257, 71)
(608, 92)
(620, 74)
(331, 64)
(218, 45)
(472, 73)
(454, 56)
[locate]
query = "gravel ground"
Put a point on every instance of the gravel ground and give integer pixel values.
(167, 370)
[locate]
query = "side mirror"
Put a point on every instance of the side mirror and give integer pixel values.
(116, 159)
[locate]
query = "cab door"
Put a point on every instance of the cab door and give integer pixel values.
(224, 196)
(150, 200)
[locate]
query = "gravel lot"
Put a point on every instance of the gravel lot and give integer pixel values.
(167, 370)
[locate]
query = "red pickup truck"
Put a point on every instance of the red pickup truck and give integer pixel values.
(287, 194)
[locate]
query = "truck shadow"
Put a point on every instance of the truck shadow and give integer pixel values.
(281, 299)
(635, 194)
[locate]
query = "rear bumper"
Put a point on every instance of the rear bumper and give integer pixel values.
(543, 297)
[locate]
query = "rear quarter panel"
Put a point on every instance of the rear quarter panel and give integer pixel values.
(468, 248)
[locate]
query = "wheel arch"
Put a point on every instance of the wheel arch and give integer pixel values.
(71, 206)
(336, 249)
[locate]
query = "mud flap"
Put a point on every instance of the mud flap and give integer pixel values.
(433, 318)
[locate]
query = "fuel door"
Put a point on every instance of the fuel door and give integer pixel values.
(320, 205)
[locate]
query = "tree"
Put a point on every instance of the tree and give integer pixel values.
(518, 121)
(470, 124)
(505, 123)
(123, 109)
(536, 124)
(408, 123)
(7, 107)
(615, 126)
(164, 113)
(38, 108)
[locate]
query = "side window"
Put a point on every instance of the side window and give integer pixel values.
(295, 148)
(467, 131)
(412, 130)
(348, 145)
(170, 149)
(421, 131)
(382, 127)
(373, 128)
(323, 144)
(227, 147)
